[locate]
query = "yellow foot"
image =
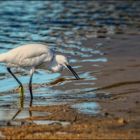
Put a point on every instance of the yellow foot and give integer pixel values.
(21, 91)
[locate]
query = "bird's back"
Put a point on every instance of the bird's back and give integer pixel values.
(29, 55)
(29, 50)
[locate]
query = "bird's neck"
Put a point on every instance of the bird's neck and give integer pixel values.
(54, 59)
(54, 66)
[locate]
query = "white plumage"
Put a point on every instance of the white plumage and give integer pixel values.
(34, 56)
(30, 55)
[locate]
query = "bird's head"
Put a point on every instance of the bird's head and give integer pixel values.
(61, 61)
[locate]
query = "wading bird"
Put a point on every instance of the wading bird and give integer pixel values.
(34, 56)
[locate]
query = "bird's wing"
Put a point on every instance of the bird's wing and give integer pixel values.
(32, 61)
(29, 56)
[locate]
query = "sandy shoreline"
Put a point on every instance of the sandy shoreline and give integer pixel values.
(119, 118)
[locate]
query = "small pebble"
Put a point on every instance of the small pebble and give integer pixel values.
(137, 102)
(106, 113)
(122, 121)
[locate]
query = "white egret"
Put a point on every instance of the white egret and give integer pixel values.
(34, 56)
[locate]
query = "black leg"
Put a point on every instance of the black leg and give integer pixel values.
(20, 84)
(30, 83)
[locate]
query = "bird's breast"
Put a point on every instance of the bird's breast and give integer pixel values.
(57, 68)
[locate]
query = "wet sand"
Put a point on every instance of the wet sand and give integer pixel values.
(118, 82)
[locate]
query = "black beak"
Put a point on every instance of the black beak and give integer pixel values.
(73, 72)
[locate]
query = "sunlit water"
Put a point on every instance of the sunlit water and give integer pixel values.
(63, 25)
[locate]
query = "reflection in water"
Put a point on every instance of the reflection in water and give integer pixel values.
(21, 107)
(21, 112)
(90, 108)
(19, 116)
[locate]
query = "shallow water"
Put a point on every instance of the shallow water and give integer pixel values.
(90, 108)
(63, 26)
